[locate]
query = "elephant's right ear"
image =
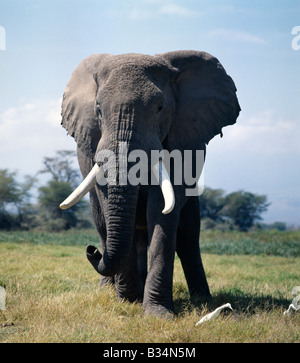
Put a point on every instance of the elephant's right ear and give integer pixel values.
(206, 99)
(78, 111)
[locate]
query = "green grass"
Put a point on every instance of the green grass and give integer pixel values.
(274, 243)
(268, 242)
(53, 293)
(67, 238)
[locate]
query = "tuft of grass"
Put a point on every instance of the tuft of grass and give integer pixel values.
(53, 296)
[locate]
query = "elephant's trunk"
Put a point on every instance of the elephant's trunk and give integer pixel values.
(120, 221)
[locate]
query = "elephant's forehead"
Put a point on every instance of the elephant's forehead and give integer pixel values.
(136, 59)
(132, 74)
(131, 65)
(124, 87)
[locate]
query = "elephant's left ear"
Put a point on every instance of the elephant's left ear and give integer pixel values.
(79, 116)
(206, 99)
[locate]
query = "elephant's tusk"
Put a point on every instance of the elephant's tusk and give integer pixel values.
(163, 178)
(87, 184)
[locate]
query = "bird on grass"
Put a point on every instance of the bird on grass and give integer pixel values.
(214, 314)
(289, 310)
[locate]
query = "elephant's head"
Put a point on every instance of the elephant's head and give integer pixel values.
(180, 99)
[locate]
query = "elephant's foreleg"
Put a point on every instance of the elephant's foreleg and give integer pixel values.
(188, 249)
(158, 299)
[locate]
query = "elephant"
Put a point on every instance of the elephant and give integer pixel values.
(177, 100)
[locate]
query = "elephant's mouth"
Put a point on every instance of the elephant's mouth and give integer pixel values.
(97, 173)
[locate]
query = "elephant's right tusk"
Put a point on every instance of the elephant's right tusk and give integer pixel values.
(87, 184)
(163, 178)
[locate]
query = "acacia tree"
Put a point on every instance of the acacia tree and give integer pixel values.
(62, 183)
(61, 167)
(245, 208)
(212, 202)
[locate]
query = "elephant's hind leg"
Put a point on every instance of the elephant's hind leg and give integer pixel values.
(188, 249)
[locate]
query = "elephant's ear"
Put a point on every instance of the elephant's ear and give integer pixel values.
(206, 99)
(78, 111)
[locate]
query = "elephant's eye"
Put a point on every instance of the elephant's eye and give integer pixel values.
(159, 109)
(99, 113)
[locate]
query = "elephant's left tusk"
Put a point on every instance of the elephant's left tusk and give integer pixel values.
(163, 178)
(87, 184)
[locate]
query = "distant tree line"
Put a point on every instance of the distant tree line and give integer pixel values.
(240, 210)
(16, 210)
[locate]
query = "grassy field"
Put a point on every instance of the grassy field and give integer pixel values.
(53, 292)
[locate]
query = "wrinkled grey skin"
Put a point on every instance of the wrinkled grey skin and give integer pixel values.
(177, 100)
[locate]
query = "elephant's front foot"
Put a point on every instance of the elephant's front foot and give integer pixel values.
(159, 311)
(159, 305)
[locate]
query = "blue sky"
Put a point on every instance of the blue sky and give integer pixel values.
(46, 39)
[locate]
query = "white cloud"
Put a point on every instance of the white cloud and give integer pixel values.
(140, 14)
(264, 133)
(29, 132)
(172, 9)
(237, 36)
(152, 8)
